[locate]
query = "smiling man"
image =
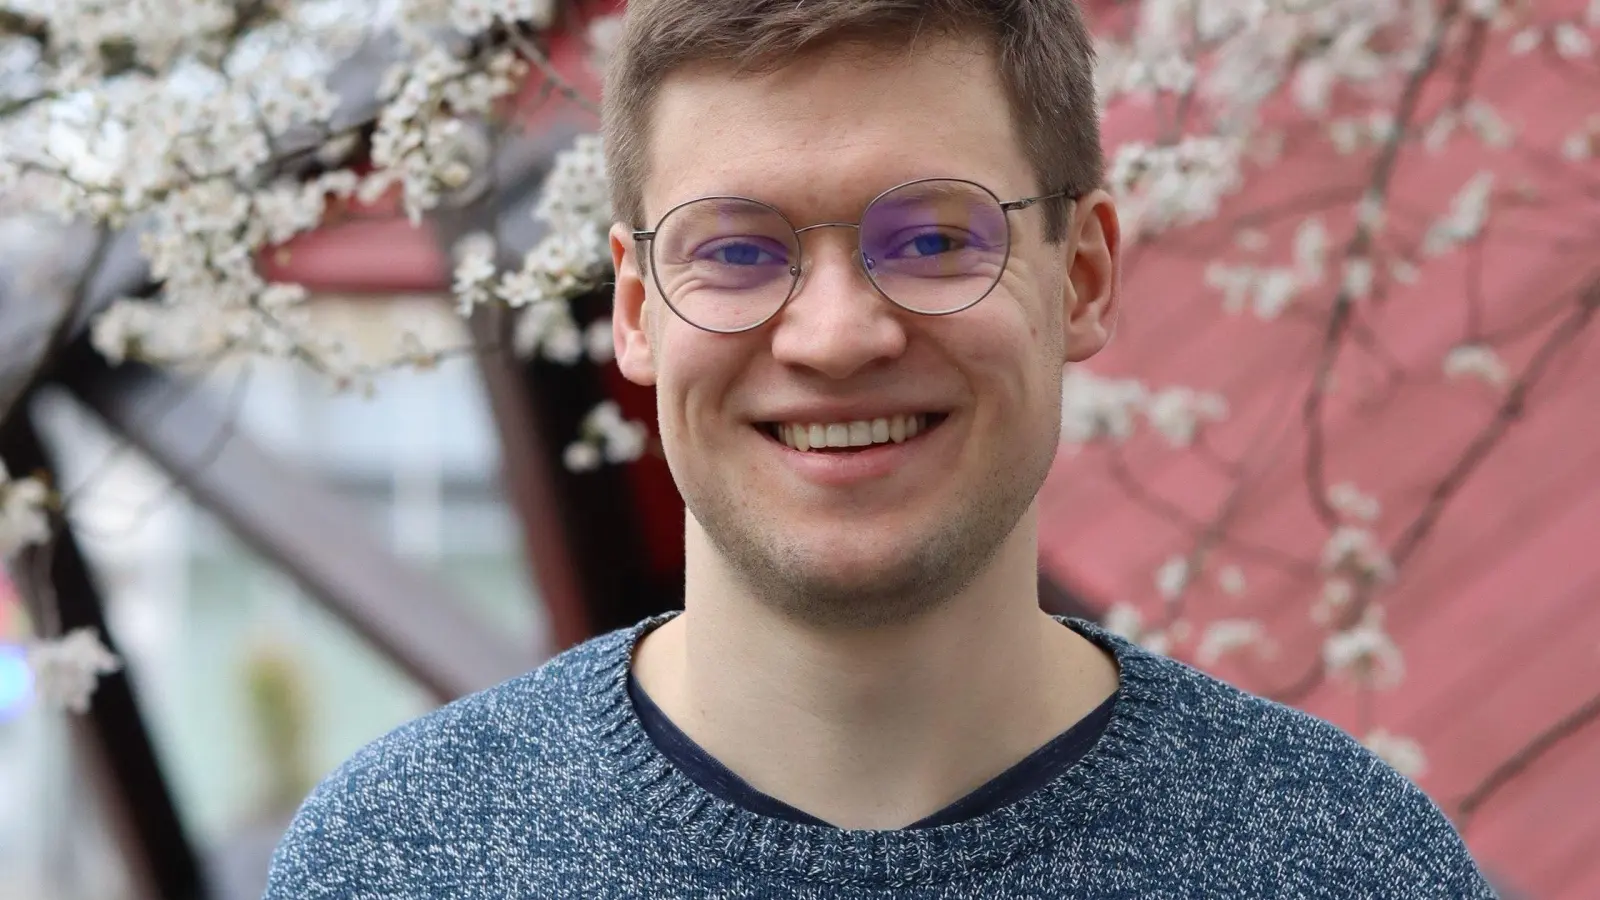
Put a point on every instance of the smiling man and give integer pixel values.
(857, 243)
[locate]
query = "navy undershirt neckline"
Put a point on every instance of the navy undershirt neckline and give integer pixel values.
(1031, 773)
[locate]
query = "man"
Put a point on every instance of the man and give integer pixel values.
(857, 242)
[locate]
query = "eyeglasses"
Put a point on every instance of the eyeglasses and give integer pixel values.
(933, 246)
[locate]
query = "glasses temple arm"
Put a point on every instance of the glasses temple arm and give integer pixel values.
(1026, 202)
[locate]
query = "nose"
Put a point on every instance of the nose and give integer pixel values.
(837, 323)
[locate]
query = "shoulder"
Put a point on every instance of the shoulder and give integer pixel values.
(1286, 783)
(458, 773)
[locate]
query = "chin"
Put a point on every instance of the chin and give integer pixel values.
(863, 587)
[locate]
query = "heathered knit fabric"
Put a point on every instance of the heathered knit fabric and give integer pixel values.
(547, 787)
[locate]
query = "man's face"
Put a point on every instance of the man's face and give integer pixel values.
(877, 533)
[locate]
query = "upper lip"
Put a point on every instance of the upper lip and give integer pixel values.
(848, 412)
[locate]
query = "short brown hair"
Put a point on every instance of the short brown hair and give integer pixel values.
(1046, 62)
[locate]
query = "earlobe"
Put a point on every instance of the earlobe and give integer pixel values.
(631, 334)
(1093, 299)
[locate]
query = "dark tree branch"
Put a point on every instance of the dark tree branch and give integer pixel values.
(1510, 410)
(1270, 556)
(15, 24)
(1359, 246)
(1524, 758)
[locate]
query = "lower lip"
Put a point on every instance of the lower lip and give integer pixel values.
(839, 469)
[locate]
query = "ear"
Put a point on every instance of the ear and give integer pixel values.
(631, 331)
(1093, 299)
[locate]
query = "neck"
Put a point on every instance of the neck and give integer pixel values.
(879, 727)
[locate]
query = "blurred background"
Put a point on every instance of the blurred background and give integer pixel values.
(1344, 452)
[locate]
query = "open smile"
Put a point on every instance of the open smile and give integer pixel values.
(851, 437)
(852, 454)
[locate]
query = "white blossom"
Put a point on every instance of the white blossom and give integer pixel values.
(1335, 595)
(1578, 146)
(426, 149)
(1355, 550)
(1234, 282)
(1345, 135)
(608, 436)
(597, 338)
(1525, 41)
(564, 343)
(475, 271)
(1232, 581)
(626, 442)
(23, 516)
(1351, 501)
(1436, 137)
(1469, 211)
(1126, 621)
(66, 670)
(1487, 124)
(1274, 291)
(1370, 212)
(1166, 186)
(1365, 653)
(476, 16)
(581, 456)
(1178, 413)
(1402, 753)
(1267, 291)
(1226, 636)
(604, 34)
(1157, 641)
(1123, 620)
(546, 328)
(1311, 249)
(1358, 274)
(1476, 361)
(1173, 577)
(1253, 240)
(1571, 42)
(1093, 407)
(1313, 85)
(572, 257)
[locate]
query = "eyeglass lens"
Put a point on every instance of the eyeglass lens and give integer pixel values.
(932, 247)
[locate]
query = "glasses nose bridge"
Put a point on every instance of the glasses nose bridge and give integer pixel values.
(856, 255)
(856, 225)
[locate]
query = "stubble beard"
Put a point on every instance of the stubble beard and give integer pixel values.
(796, 580)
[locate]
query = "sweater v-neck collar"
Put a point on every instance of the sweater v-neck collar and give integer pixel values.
(717, 833)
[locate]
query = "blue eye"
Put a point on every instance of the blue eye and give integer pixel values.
(926, 244)
(742, 254)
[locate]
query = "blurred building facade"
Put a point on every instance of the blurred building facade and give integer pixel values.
(252, 690)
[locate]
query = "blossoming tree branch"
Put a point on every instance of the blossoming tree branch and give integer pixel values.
(1376, 207)
(1268, 144)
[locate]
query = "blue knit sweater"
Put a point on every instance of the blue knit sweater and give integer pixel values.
(548, 787)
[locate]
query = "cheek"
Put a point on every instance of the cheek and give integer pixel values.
(1018, 332)
(1014, 354)
(695, 371)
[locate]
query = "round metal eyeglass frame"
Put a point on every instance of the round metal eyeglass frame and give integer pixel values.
(798, 266)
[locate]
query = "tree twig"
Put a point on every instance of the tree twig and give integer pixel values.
(1358, 246)
(1524, 758)
(1510, 409)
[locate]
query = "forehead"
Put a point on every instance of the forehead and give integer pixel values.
(825, 134)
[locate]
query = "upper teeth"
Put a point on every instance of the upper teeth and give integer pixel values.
(860, 433)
